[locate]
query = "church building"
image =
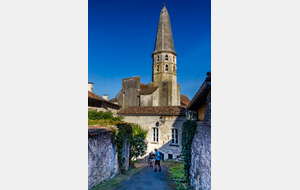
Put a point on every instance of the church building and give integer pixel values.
(163, 90)
(158, 106)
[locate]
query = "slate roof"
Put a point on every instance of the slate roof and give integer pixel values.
(154, 110)
(164, 39)
(184, 100)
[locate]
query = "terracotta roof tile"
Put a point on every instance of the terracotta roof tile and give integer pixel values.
(200, 96)
(97, 129)
(153, 110)
(184, 100)
(95, 96)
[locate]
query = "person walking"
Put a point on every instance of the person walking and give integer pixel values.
(157, 155)
(151, 158)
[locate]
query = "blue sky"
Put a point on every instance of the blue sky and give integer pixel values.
(122, 36)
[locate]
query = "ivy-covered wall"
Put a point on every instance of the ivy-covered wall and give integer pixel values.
(200, 170)
(108, 149)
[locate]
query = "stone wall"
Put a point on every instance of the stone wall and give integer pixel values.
(146, 100)
(103, 158)
(130, 92)
(114, 111)
(200, 171)
(164, 133)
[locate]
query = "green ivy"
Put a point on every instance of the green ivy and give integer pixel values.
(125, 131)
(188, 132)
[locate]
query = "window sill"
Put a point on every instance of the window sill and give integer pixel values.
(153, 142)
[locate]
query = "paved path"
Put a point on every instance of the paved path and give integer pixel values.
(146, 179)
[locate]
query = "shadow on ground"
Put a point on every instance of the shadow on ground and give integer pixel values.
(146, 179)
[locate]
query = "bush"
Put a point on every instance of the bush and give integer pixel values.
(95, 115)
(138, 144)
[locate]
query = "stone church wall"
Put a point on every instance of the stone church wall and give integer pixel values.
(155, 98)
(165, 134)
(102, 156)
(146, 100)
(130, 92)
(200, 171)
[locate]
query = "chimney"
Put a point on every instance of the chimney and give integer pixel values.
(105, 96)
(90, 86)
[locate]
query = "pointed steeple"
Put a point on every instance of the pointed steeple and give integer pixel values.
(164, 38)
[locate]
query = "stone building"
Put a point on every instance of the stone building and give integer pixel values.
(200, 170)
(100, 104)
(163, 90)
(158, 106)
(164, 124)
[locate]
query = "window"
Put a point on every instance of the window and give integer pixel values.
(167, 57)
(166, 67)
(155, 134)
(173, 59)
(174, 69)
(170, 156)
(157, 58)
(157, 67)
(174, 136)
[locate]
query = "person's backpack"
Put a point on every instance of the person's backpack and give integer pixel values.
(160, 154)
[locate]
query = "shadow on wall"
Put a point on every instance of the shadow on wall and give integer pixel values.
(170, 151)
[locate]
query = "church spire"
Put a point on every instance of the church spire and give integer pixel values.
(164, 38)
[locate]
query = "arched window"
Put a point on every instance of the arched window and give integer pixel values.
(173, 59)
(167, 57)
(157, 58)
(157, 67)
(166, 67)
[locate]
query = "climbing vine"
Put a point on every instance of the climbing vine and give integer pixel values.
(125, 131)
(188, 132)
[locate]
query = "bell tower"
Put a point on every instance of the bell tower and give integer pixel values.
(164, 66)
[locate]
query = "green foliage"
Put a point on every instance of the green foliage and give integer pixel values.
(125, 131)
(117, 180)
(103, 122)
(177, 172)
(138, 145)
(95, 115)
(188, 132)
(134, 132)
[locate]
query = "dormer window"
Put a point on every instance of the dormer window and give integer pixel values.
(157, 58)
(166, 57)
(166, 67)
